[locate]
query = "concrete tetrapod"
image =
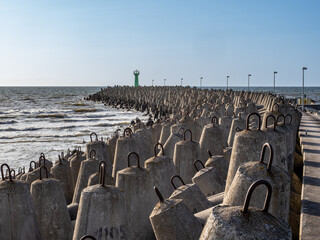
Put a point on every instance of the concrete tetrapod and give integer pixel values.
(241, 223)
(75, 163)
(250, 172)
(62, 172)
(51, 208)
(101, 151)
(35, 174)
(212, 138)
(87, 168)
(191, 195)
(225, 122)
(161, 168)
(208, 180)
(171, 142)
(185, 151)
(278, 141)
(111, 144)
(18, 218)
(144, 139)
(290, 138)
(136, 182)
(24, 176)
(102, 212)
(238, 124)
(171, 219)
(95, 178)
(125, 145)
(165, 132)
(246, 148)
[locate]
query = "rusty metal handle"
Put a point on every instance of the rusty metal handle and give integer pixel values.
(127, 132)
(248, 120)
(14, 173)
(182, 128)
(274, 121)
(128, 158)
(209, 152)
(45, 168)
(275, 105)
(79, 149)
(285, 117)
(238, 129)
(249, 194)
(158, 194)
(195, 164)
(176, 119)
(93, 133)
(176, 176)
(42, 155)
(265, 146)
(30, 166)
(102, 172)
(88, 237)
(215, 120)
(185, 134)
(44, 160)
(59, 159)
(155, 149)
(19, 170)
(92, 152)
(8, 168)
(284, 120)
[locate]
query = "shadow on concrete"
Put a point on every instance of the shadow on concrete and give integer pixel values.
(311, 181)
(310, 207)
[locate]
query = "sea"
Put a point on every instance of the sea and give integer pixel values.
(51, 120)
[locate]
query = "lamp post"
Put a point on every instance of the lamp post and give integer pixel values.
(181, 81)
(274, 82)
(304, 68)
(164, 82)
(201, 82)
(249, 75)
(152, 82)
(227, 82)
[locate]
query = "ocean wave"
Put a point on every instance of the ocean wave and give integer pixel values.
(86, 110)
(9, 122)
(78, 104)
(51, 116)
(19, 130)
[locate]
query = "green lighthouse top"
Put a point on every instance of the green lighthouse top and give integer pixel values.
(136, 79)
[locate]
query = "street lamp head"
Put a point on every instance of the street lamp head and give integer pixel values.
(228, 76)
(275, 72)
(201, 78)
(304, 68)
(249, 75)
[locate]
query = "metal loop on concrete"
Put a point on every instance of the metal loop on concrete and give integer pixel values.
(248, 120)
(249, 194)
(127, 132)
(209, 152)
(102, 172)
(93, 133)
(19, 170)
(92, 152)
(284, 120)
(155, 149)
(275, 105)
(265, 146)
(23, 170)
(176, 119)
(158, 194)
(30, 166)
(274, 121)
(195, 164)
(285, 117)
(79, 149)
(185, 134)
(128, 158)
(44, 160)
(214, 120)
(176, 176)
(182, 128)
(208, 114)
(42, 155)
(45, 168)
(59, 159)
(8, 168)
(88, 237)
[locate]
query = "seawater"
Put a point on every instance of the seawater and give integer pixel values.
(50, 120)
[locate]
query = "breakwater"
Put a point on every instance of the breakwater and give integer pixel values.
(164, 178)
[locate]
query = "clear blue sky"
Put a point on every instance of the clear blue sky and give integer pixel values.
(98, 43)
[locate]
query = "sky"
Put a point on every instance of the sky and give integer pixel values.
(101, 43)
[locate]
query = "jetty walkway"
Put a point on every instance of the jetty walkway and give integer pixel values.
(309, 133)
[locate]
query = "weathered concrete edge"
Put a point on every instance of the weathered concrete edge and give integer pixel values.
(310, 193)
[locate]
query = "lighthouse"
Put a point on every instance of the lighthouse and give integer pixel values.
(136, 78)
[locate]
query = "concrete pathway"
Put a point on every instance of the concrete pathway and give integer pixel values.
(310, 206)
